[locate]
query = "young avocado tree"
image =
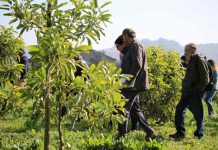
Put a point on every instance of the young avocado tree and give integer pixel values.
(165, 77)
(61, 29)
(10, 69)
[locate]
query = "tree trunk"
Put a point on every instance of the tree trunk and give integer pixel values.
(47, 122)
(48, 95)
(61, 139)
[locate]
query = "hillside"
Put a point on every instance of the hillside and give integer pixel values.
(94, 57)
(209, 50)
(111, 54)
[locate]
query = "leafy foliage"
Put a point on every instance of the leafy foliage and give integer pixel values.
(14, 135)
(79, 140)
(101, 94)
(82, 21)
(60, 32)
(165, 75)
(10, 69)
(92, 96)
(133, 141)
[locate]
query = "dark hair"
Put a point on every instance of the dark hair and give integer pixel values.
(212, 63)
(119, 40)
(183, 58)
(130, 32)
(192, 45)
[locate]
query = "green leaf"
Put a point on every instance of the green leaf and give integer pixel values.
(92, 68)
(22, 30)
(4, 1)
(84, 48)
(5, 5)
(37, 74)
(62, 4)
(32, 48)
(12, 21)
(106, 16)
(8, 14)
(96, 3)
(102, 32)
(97, 33)
(116, 98)
(4, 8)
(20, 26)
(93, 37)
(43, 72)
(89, 41)
(100, 64)
(105, 4)
(50, 1)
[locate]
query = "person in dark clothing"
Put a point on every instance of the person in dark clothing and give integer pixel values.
(134, 63)
(23, 60)
(193, 85)
(210, 93)
(120, 45)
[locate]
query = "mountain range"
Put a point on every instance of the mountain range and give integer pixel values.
(209, 50)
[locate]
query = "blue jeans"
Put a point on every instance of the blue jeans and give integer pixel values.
(208, 100)
(192, 101)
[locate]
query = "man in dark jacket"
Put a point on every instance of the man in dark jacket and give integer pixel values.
(134, 63)
(193, 85)
(121, 47)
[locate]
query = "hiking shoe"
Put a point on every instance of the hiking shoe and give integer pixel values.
(177, 136)
(151, 136)
(199, 136)
(211, 115)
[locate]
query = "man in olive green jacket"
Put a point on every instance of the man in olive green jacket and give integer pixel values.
(193, 85)
(134, 63)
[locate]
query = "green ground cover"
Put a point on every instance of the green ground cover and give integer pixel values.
(14, 135)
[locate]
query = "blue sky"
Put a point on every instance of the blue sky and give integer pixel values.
(181, 20)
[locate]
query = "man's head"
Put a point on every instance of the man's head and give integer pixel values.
(128, 35)
(212, 63)
(190, 50)
(120, 44)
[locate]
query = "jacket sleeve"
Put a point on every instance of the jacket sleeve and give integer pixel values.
(136, 56)
(215, 74)
(203, 75)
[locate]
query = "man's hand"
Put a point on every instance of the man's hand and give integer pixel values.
(126, 83)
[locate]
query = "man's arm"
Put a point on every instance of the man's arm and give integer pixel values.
(214, 78)
(136, 56)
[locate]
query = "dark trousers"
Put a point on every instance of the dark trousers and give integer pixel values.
(132, 106)
(192, 101)
(135, 108)
(208, 100)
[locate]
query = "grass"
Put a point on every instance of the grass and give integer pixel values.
(14, 135)
(208, 141)
(16, 125)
